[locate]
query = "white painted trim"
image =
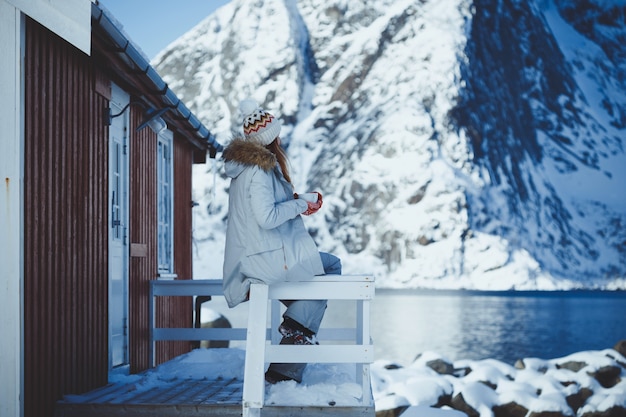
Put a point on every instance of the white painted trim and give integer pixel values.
(119, 100)
(166, 136)
(11, 210)
(70, 19)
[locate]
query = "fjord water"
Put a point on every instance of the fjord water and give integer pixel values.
(506, 326)
(501, 325)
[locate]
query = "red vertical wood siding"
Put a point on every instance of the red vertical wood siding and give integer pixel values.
(143, 230)
(65, 233)
(181, 309)
(183, 224)
(173, 311)
(66, 227)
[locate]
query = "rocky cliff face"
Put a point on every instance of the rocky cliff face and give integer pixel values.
(458, 144)
(543, 105)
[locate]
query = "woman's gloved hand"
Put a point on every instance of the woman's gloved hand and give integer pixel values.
(314, 207)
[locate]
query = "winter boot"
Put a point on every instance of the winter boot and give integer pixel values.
(293, 334)
(296, 334)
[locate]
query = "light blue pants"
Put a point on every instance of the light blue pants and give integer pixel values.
(308, 313)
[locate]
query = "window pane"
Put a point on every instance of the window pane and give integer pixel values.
(164, 206)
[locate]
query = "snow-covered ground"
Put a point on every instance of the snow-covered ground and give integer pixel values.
(539, 385)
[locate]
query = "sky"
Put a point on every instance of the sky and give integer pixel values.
(154, 24)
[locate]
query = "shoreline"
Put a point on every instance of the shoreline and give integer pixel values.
(583, 384)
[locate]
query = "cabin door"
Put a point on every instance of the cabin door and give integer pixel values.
(118, 228)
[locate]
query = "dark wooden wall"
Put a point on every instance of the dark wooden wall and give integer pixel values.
(65, 224)
(183, 224)
(173, 311)
(143, 218)
(178, 311)
(66, 227)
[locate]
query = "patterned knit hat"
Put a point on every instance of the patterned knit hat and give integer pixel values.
(258, 125)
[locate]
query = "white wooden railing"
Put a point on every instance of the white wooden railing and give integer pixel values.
(259, 352)
(192, 287)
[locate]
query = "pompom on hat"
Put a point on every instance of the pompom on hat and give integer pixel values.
(258, 124)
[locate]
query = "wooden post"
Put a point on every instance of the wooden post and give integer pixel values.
(253, 380)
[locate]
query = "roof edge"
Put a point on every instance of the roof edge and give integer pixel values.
(168, 97)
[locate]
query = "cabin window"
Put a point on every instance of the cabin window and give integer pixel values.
(165, 202)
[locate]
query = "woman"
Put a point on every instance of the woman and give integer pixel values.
(265, 237)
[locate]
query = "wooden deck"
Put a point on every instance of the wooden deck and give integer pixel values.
(179, 398)
(175, 393)
(184, 398)
(171, 398)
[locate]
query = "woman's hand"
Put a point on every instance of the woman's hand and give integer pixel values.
(314, 207)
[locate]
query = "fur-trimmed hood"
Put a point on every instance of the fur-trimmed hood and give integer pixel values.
(241, 153)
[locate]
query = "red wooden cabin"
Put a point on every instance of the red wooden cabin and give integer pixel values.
(98, 203)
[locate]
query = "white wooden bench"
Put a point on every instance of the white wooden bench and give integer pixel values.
(262, 344)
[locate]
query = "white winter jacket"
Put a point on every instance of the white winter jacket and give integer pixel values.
(266, 238)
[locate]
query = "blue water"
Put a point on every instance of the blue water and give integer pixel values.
(478, 325)
(502, 325)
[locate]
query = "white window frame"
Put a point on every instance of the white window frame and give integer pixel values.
(165, 203)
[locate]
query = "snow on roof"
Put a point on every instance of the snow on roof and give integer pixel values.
(137, 58)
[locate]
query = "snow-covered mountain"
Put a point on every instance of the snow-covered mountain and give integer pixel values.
(457, 143)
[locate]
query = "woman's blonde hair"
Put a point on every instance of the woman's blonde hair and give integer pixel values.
(281, 156)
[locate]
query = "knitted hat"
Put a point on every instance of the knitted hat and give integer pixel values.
(258, 125)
